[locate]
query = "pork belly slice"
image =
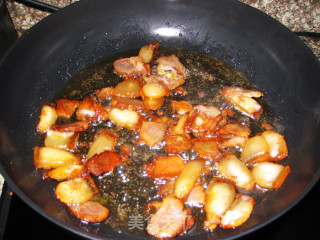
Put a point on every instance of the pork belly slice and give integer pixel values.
(170, 220)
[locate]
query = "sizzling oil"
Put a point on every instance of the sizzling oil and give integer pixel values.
(127, 190)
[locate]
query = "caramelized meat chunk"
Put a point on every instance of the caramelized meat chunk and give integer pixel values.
(101, 163)
(243, 100)
(201, 125)
(178, 140)
(89, 211)
(181, 107)
(78, 126)
(170, 220)
(66, 172)
(91, 111)
(171, 68)
(131, 66)
(65, 107)
(128, 104)
(196, 197)
(166, 167)
(152, 133)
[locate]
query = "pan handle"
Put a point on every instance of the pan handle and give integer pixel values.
(308, 34)
(39, 5)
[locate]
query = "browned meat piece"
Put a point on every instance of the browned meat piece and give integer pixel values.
(128, 103)
(181, 107)
(234, 134)
(105, 93)
(170, 83)
(91, 111)
(65, 107)
(131, 66)
(166, 167)
(203, 126)
(79, 126)
(171, 67)
(170, 220)
(196, 197)
(178, 140)
(170, 72)
(152, 133)
(243, 100)
(89, 211)
(101, 163)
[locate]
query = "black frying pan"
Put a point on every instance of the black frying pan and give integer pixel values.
(41, 62)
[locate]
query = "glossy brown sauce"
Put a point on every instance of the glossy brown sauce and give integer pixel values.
(127, 190)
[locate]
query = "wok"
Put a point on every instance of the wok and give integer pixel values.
(44, 58)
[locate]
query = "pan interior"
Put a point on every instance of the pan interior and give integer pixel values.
(128, 190)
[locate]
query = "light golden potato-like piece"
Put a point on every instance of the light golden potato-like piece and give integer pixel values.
(48, 117)
(236, 170)
(219, 197)
(66, 172)
(106, 141)
(270, 175)
(61, 140)
(152, 103)
(277, 145)
(188, 177)
(255, 149)
(48, 157)
(146, 52)
(128, 89)
(74, 191)
(239, 212)
(154, 90)
(124, 118)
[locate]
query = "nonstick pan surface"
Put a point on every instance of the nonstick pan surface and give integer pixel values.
(53, 51)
